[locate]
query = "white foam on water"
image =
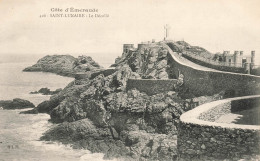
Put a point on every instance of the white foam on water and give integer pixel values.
(20, 133)
(28, 128)
(92, 157)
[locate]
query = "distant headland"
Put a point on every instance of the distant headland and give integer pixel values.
(64, 65)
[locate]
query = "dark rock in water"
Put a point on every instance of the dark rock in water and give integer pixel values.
(16, 103)
(64, 65)
(33, 111)
(46, 91)
(35, 92)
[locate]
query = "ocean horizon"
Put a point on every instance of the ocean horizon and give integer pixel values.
(105, 60)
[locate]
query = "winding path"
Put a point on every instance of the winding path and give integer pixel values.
(207, 81)
(204, 139)
(188, 62)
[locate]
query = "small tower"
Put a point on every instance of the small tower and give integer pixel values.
(252, 59)
(247, 68)
(240, 59)
(252, 56)
(236, 58)
(127, 47)
(241, 53)
(225, 54)
(166, 31)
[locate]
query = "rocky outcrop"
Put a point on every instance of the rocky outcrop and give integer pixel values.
(132, 145)
(16, 103)
(99, 114)
(46, 91)
(83, 134)
(184, 47)
(64, 65)
(150, 62)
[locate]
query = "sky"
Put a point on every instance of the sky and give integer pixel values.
(215, 25)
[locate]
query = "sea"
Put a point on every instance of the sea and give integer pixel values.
(20, 133)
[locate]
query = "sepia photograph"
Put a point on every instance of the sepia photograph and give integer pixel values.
(129, 80)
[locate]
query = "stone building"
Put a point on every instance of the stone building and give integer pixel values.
(142, 45)
(237, 59)
(127, 47)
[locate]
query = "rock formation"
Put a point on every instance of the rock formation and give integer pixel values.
(46, 91)
(64, 65)
(150, 62)
(184, 47)
(16, 103)
(98, 113)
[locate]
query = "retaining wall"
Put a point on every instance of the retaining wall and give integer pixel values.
(82, 75)
(90, 75)
(151, 86)
(104, 72)
(200, 139)
(208, 82)
(218, 67)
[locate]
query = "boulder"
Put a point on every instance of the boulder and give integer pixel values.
(46, 91)
(16, 103)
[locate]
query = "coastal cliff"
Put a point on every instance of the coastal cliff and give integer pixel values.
(98, 113)
(64, 65)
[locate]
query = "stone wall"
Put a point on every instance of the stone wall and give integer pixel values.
(208, 82)
(104, 72)
(239, 105)
(204, 140)
(84, 75)
(151, 86)
(215, 66)
(214, 113)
